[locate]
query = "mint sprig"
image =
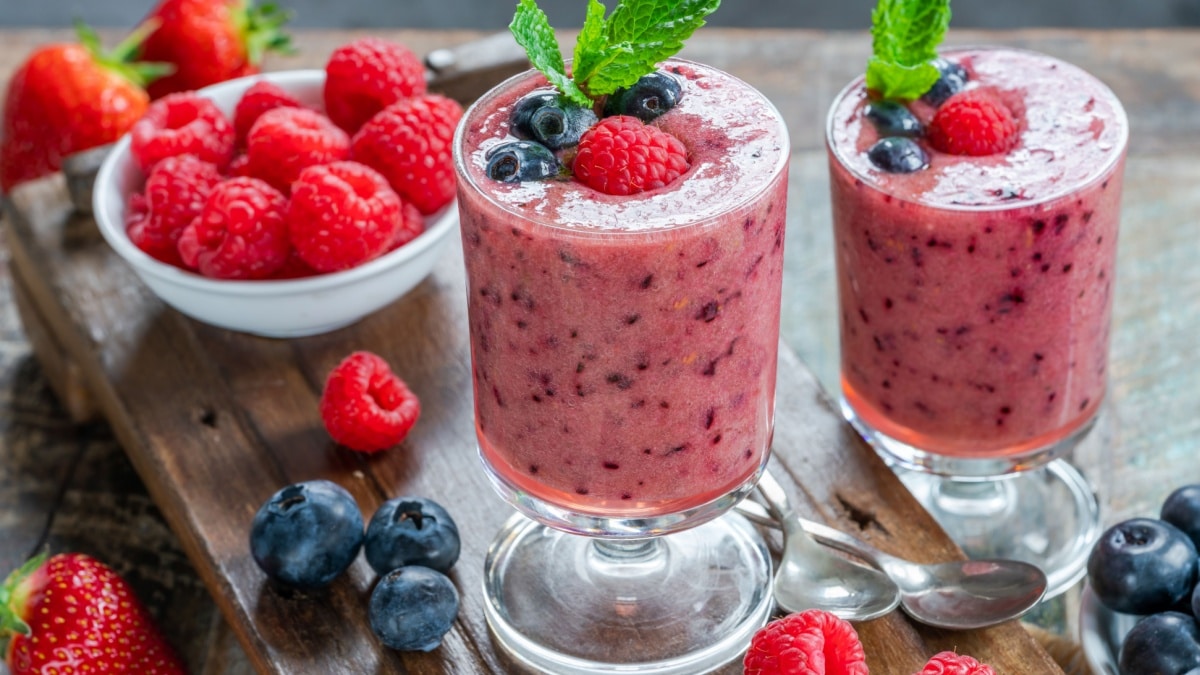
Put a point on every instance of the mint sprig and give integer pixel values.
(612, 52)
(905, 36)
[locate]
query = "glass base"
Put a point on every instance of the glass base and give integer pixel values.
(1049, 517)
(1033, 507)
(685, 603)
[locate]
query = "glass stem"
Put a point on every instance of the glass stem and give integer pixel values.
(973, 498)
(624, 551)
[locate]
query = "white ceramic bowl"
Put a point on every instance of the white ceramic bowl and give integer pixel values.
(288, 308)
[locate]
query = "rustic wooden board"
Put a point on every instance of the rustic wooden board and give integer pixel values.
(215, 421)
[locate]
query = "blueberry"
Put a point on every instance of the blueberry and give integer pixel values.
(1162, 644)
(411, 531)
(897, 154)
(307, 534)
(411, 608)
(1142, 566)
(517, 161)
(649, 97)
(953, 78)
(893, 119)
(551, 119)
(1182, 509)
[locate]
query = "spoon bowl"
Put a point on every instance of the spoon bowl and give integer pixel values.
(810, 577)
(957, 594)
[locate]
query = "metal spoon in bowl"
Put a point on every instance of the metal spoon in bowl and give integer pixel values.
(810, 577)
(958, 595)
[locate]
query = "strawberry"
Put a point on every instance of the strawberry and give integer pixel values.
(211, 41)
(72, 609)
(66, 98)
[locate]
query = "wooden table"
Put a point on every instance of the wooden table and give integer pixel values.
(76, 480)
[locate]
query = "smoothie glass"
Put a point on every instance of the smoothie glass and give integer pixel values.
(975, 300)
(623, 359)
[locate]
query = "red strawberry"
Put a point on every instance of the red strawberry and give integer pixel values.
(365, 406)
(72, 609)
(66, 98)
(210, 41)
(409, 143)
(366, 76)
(973, 123)
(621, 155)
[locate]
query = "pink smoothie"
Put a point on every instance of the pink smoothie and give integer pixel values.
(976, 294)
(624, 348)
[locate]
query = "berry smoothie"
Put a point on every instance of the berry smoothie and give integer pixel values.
(976, 292)
(624, 347)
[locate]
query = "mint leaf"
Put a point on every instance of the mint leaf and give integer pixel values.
(610, 53)
(906, 34)
(532, 31)
(641, 33)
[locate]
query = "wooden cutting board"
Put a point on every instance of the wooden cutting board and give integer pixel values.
(216, 421)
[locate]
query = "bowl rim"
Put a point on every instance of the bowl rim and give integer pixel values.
(106, 199)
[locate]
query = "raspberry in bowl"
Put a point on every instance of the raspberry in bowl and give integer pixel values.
(339, 279)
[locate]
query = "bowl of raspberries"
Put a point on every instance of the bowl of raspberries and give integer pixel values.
(289, 203)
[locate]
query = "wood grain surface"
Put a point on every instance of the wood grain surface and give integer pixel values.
(215, 421)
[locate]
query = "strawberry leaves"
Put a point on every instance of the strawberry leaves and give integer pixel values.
(612, 52)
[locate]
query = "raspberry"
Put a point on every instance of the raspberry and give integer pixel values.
(623, 156)
(949, 663)
(285, 141)
(809, 643)
(294, 268)
(181, 124)
(258, 99)
(366, 76)
(341, 215)
(239, 166)
(973, 123)
(412, 224)
(240, 233)
(409, 143)
(174, 194)
(365, 407)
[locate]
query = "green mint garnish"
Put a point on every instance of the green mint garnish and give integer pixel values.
(612, 52)
(905, 35)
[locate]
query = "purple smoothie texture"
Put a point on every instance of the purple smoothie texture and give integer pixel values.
(624, 348)
(976, 294)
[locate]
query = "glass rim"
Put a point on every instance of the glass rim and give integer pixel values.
(1063, 191)
(466, 180)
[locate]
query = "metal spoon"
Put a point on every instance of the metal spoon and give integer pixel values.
(811, 577)
(959, 594)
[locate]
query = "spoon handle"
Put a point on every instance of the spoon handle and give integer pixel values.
(776, 496)
(822, 533)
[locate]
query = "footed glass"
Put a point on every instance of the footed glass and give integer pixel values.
(623, 355)
(975, 297)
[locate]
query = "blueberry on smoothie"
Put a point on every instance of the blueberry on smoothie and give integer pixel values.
(1182, 509)
(1162, 643)
(307, 534)
(411, 531)
(897, 154)
(953, 79)
(1142, 566)
(518, 161)
(893, 119)
(412, 608)
(551, 119)
(646, 99)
